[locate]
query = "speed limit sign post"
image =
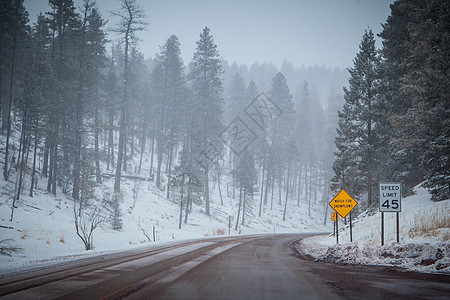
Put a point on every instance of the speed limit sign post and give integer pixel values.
(390, 201)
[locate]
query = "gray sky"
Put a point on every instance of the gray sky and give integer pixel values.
(305, 32)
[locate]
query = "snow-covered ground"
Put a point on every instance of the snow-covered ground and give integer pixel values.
(424, 238)
(43, 226)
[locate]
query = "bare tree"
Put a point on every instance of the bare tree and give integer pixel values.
(86, 222)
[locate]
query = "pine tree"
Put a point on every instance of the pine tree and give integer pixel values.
(360, 124)
(169, 91)
(422, 125)
(64, 24)
(131, 21)
(207, 88)
(39, 76)
(282, 146)
(13, 25)
(96, 40)
(396, 51)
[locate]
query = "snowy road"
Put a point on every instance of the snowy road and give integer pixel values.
(258, 267)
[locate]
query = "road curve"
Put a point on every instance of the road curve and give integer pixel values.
(258, 269)
(243, 267)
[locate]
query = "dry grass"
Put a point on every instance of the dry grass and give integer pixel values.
(217, 232)
(62, 240)
(430, 222)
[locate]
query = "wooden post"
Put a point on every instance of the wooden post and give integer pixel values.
(229, 225)
(334, 228)
(382, 228)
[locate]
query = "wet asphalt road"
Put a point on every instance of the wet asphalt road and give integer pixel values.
(269, 269)
(258, 267)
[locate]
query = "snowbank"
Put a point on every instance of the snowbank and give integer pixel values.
(424, 238)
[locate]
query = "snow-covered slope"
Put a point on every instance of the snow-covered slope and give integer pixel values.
(424, 238)
(43, 226)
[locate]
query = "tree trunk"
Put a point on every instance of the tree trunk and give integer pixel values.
(8, 115)
(218, 182)
(158, 167)
(50, 169)
(169, 167)
(125, 143)
(280, 181)
(110, 159)
(123, 120)
(262, 192)
(308, 192)
(55, 167)
(181, 203)
(22, 166)
(131, 121)
(151, 157)
(266, 194)
(207, 189)
(33, 172)
(46, 153)
(96, 140)
(188, 202)
(21, 160)
(243, 207)
(119, 154)
(239, 208)
(143, 141)
(271, 190)
(287, 193)
(325, 195)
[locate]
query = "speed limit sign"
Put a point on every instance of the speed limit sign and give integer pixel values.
(390, 197)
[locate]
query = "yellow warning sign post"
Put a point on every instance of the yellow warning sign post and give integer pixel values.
(343, 204)
(334, 216)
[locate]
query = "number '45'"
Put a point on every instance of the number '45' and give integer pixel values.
(394, 204)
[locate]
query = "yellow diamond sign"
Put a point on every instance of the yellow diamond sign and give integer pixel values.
(343, 203)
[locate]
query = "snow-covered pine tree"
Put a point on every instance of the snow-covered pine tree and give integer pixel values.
(427, 85)
(205, 75)
(415, 76)
(13, 32)
(169, 93)
(359, 139)
(396, 51)
(131, 20)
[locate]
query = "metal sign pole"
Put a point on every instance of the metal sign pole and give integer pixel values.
(398, 227)
(337, 231)
(382, 228)
(351, 234)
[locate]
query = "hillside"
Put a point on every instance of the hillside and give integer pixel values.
(43, 226)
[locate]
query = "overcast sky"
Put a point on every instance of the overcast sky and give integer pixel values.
(305, 32)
